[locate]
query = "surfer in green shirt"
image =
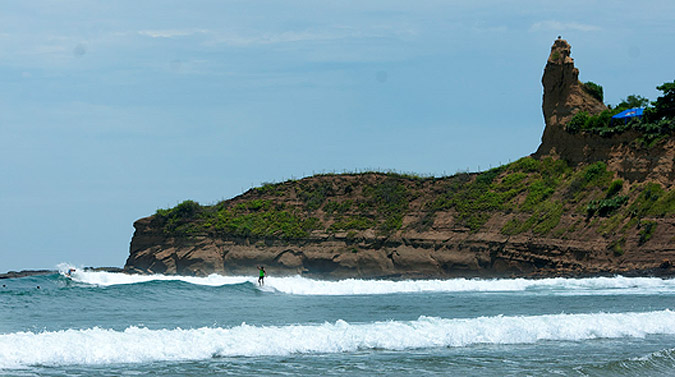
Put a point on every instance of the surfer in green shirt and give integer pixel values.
(262, 275)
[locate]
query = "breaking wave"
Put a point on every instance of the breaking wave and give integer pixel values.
(298, 285)
(97, 346)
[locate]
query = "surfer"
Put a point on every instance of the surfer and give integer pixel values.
(70, 272)
(261, 275)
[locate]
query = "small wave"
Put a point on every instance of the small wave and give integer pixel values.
(654, 364)
(137, 345)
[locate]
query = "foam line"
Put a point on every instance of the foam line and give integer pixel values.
(98, 346)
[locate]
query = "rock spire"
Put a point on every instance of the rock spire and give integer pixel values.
(564, 96)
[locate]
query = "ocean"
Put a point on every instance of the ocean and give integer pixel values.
(112, 324)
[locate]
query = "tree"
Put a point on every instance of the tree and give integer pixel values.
(664, 106)
(633, 101)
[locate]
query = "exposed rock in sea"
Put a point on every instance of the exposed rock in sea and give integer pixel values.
(25, 273)
(581, 205)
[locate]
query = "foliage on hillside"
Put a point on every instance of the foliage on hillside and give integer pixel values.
(531, 195)
(657, 122)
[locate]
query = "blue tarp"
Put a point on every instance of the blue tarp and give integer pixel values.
(630, 113)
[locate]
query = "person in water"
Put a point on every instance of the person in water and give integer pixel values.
(261, 275)
(70, 272)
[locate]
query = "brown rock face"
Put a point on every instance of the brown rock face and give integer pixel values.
(564, 96)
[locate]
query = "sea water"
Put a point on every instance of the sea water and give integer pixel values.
(113, 324)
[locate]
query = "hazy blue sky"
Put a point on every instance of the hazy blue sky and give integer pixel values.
(112, 109)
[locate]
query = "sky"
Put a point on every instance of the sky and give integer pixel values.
(110, 110)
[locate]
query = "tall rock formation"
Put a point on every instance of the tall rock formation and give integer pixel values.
(564, 96)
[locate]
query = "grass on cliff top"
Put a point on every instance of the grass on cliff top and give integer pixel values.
(381, 206)
(533, 193)
(257, 218)
(475, 200)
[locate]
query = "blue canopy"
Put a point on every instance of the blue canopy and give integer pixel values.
(630, 113)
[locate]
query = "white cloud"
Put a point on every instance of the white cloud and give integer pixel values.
(254, 37)
(551, 25)
(330, 34)
(171, 33)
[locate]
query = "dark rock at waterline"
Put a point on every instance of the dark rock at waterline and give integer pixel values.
(25, 273)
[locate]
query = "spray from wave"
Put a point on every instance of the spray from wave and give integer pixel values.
(303, 286)
(136, 345)
(103, 278)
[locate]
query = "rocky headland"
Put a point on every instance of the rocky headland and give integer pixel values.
(583, 204)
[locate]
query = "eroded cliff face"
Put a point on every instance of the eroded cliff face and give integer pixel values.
(353, 234)
(447, 250)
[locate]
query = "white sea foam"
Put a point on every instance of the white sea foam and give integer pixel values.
(104, 278)
(136, 345)
(303, 286)
(601, 285)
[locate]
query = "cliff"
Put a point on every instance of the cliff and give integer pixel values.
(581, 205)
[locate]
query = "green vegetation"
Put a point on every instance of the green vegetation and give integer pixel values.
(611, 202)
(353, 223)
(178, 219)
(633, 101)
(533, 193)
(646, 231)
(546, 217)
(614, 188)
(657, 122)
(664, 106)
(259, 218)
(270, 189)
(314, 194)
(653, 201)
(617, 247)
(605, 207)
(592, 176)
(474, 201)
(594, 90)
(338, 208)
(389, 199)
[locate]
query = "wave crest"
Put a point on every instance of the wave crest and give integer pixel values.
(136, 345)
(298, 285)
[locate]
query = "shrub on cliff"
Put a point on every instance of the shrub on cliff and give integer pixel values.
(594, 90)
(604, 207)
(577, 123)
(657, 122)
(178, 219)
